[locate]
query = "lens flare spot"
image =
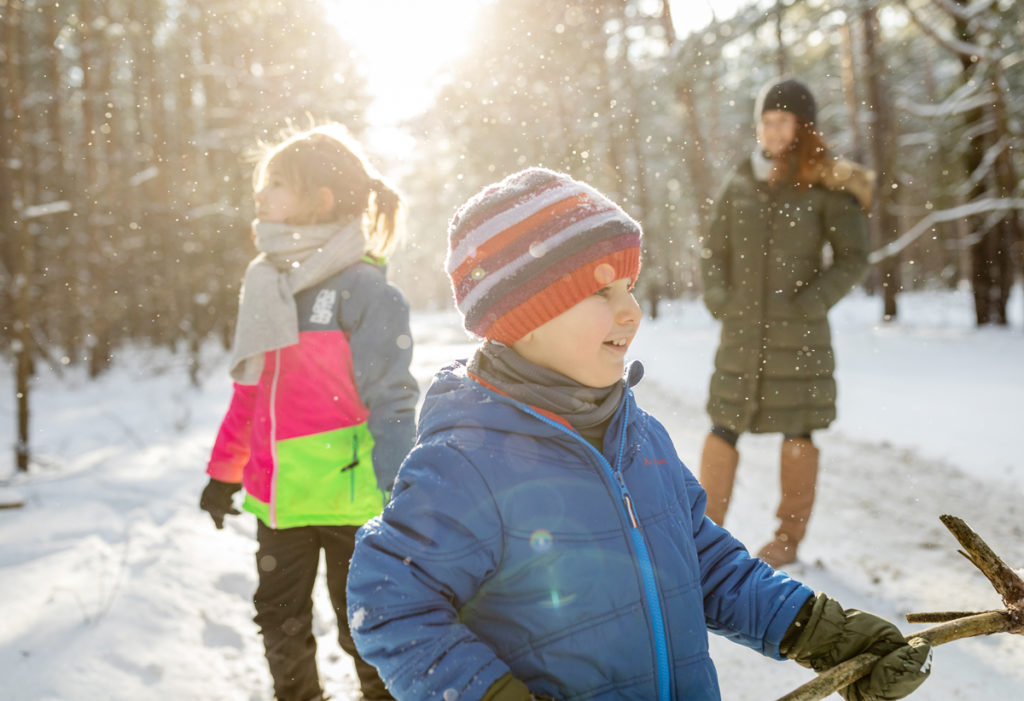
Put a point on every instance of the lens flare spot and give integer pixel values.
(540, 540)
(558, 600)
(604, 274)
(478, 273)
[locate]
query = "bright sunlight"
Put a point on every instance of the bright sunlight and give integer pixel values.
(405, 45)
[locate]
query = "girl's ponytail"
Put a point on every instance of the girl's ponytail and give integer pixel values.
(382, 213)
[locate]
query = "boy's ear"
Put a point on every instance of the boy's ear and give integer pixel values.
(523, 343)
(323, 201)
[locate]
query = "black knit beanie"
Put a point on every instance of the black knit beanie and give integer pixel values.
(788, 95)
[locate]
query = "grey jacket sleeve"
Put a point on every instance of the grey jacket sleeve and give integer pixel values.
(375, 317)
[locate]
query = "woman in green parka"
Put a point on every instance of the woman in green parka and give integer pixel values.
(787, 240)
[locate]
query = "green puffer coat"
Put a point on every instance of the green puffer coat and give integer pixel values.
(767, 279)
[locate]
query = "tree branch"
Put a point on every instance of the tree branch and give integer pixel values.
(1007, 582)
(956, 625)
(956, 46)
(989, 204)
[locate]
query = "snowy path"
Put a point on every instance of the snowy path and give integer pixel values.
(113, 585)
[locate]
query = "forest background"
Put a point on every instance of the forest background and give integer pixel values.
(127, 131)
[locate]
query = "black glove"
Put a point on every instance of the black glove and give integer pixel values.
(216, 500)
(823, 635)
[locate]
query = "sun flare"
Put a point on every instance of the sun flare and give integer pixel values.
(404, 43)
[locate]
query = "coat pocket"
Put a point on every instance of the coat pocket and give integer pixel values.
(327, 478)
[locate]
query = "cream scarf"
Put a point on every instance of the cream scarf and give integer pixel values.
(762, 165)
(291, 259)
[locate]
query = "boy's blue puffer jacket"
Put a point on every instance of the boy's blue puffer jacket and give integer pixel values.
(511, 544)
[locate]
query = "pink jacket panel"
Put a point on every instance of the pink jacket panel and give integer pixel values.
(315, 388)
(305, 389)
(231, 449)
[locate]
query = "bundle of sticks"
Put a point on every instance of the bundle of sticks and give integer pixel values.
(950, 625)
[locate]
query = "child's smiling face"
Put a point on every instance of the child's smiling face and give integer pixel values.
(587, 342)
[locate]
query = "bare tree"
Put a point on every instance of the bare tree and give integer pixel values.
(17, 249)
(983, 40)
(123, 184)
(881, 140)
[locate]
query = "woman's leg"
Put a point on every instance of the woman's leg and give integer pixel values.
(798, 477)
(718, 463)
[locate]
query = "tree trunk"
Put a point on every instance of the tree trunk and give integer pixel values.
(653, 284)
(1009, 228)
(694, 151)
(849, 74)
(882, 140)
(991, 252)
(89, 294)
(57, 322)
(17, 243)
(780, 47)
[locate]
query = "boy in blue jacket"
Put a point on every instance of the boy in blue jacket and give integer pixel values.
(543, 539)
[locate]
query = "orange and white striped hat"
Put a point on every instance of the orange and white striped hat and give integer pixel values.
(526, 249)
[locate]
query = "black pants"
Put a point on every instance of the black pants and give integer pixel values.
(287, 561)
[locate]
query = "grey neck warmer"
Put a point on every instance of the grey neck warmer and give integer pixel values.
(587, 409)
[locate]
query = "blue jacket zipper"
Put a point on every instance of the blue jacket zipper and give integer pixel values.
(642, 553)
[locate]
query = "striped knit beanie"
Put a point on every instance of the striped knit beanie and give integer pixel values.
(526, 249)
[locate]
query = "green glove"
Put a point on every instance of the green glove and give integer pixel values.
(508, 688)
(216, 500)
(823, 635)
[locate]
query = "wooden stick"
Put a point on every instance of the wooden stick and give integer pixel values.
(939, 616)
(1007, 582)
(955, 625)
(985, 623)
(854, 668)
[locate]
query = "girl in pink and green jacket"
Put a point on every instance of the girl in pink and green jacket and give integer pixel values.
(323, 407)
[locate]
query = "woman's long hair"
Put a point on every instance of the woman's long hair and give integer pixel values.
(801, 164)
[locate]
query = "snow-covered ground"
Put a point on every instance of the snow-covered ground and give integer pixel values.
(114, 585)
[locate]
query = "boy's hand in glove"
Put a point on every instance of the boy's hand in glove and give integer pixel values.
(216, 500)
(823, 635)
(508, 688)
